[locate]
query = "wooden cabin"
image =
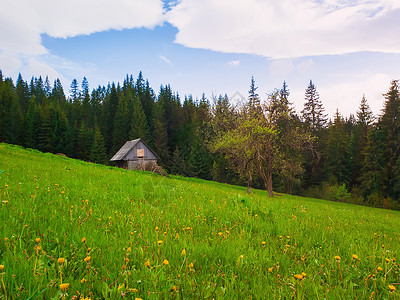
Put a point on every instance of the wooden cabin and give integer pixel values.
(135, 155)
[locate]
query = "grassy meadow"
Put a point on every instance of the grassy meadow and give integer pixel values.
(75, 230)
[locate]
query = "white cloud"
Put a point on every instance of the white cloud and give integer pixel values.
(234, 63)
(23, 21)
(346, 96)
(337, 96)
(288, 28)
(163, 58)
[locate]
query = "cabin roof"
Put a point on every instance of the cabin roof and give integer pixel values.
(127, 147)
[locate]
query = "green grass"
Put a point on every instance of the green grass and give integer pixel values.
(237, 246)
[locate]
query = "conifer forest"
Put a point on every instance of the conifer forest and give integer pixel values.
(259, 143)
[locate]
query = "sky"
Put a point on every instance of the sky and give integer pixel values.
(348, 48)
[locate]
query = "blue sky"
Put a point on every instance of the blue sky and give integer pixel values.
(348, 48)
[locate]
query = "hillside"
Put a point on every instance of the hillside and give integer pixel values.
(109, 232)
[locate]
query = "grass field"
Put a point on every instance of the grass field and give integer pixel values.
(71, 229)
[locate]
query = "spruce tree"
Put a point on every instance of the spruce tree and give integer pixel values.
(98, 151)
(138, 125)
(313, 113)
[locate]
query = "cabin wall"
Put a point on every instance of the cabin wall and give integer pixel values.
(132, 155)
(137, 164)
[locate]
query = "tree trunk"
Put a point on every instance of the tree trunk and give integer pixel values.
(266, 179)
(249, 177)
(269, 182)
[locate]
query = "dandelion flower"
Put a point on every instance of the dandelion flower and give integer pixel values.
(355, 257)
(387, 260)
(87, 259)
(37, 240)
(147, 264)
(61, 260)
(337, 258)
(191, 265)
(1, 268)
(134, 290)
(183, 252)
(220, 233)
(129, 249)
(123, 267)
(379, 269)
(64, 287)
(392, 288)
(165, 262)
(83, 280)
(159, 242)
(263, 243)
(83, 240)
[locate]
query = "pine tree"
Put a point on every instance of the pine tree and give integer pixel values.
(139, 127)
(337, 152)
(315, 121)
(313, 112)
(364, 122)
(84, 143)
(121, 123)
(160, 136)
(109, 110)
(98, 152)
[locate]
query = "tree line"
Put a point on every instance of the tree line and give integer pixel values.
(257, 143)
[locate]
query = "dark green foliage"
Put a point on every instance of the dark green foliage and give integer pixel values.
(98, 151)
(338, 152)
(353, 155)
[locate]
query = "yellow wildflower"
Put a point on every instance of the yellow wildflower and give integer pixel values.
(165, 262)
(61, 260)
(219, 233)
(379, 269)
(83, 280)
(134, 290)
(355, 256)
(392, 288)
(337, 258)
(263, 243)
(87, 259)
(159, 242)
(191, 265)
(37, 240)
(147, 264)
(83, 240)
(183, 252)
(1, 268)
(64, 287)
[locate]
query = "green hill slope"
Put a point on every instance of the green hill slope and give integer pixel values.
(108, 232)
